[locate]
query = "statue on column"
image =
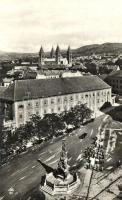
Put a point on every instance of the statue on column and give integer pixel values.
(63, 167)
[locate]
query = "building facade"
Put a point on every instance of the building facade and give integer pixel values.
(115, 81)
(27, 97)
(55, 57)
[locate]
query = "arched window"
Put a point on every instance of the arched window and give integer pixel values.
(71, 98)
(52, 101)
(21, 106)
(65, 98)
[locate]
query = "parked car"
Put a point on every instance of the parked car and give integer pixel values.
(83, 136)
(38, 141)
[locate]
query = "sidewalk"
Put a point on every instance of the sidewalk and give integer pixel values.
(83, 188)
(104, 187)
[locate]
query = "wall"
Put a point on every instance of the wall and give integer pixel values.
(116, 83)
(57, 104)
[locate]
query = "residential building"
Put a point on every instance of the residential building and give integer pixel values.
(114, 79)
(7, 81)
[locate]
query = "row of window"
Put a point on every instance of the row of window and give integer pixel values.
(115, 81)
(59, 100)
(52, 110)
(37, 113)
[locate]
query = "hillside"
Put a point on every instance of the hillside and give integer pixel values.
(84, 50)
(100, 48)
(14, 55)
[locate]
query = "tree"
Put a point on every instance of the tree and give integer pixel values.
(85, 112)
(28, 131)
(39, 126)
(18, 135)
(53, 123)
(76, 115)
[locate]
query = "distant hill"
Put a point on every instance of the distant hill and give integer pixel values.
(14, 55)
(84, 50)
(99, 49)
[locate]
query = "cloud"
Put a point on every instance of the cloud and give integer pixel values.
(25, 25)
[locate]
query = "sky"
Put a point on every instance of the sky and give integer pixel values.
(25, 25)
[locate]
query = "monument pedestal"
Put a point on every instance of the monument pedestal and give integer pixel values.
(57, 186)
(60, 181)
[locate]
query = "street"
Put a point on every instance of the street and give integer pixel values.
(24, 172)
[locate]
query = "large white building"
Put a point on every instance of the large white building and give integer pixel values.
(24, 98)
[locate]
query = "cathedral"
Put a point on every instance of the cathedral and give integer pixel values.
(55, 57)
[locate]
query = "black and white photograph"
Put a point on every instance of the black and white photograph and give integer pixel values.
(60, 99)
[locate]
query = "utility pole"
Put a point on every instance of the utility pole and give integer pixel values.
(1, 129)
(95, 159)
(87, 196)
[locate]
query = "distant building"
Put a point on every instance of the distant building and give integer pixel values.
(113, 67)
(55, 58)
(114, 79)
(7, 81)
(47, 74)
(71, 74)
(24, 98)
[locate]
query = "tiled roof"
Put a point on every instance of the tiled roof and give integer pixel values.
(116, 74)
(53, 66)
(103, 76)
(33, 89)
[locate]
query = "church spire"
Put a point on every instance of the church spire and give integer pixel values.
(69, 56)
(41, 52)
(41, 56)
(52, 53)
(58, 55)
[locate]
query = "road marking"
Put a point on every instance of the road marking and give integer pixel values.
(42, 153)
(79, 157)
(70, 159)
(50, 151)
(18, 171)
(99, 127)
(15, 173)
(53, 162)
(105, 118)
(109, 159)
(91, 132)
(33, 166)
(22, 178)
(50, 158)
(110, 167)
(58, 151)
(2, 197)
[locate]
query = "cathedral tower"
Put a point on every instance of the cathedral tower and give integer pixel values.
(58, 55)
(52, 53)
(69, 56)
(41, 57)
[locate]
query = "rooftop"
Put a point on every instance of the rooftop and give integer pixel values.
(116, 74)
(42, 88)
